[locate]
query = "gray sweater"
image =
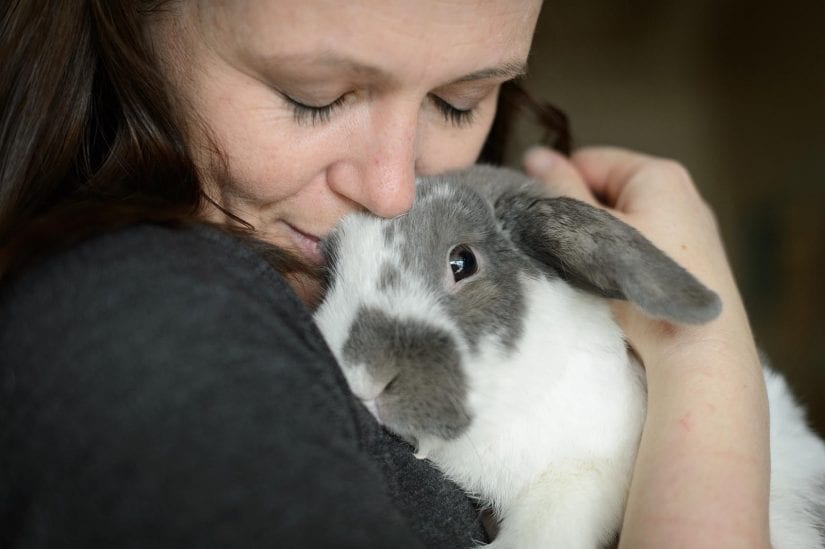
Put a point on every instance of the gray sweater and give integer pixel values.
(163, 387)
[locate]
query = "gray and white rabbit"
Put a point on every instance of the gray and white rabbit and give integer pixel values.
(476, 328)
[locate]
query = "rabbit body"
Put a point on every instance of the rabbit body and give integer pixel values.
(552, 443)
(476, 327)
(797, 497)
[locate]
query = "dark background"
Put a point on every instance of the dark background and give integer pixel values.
(736, 91)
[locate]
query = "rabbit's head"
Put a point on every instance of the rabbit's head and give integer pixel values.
(412, 301)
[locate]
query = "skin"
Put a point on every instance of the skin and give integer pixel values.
(392, 71)
(703, 468)
(389, 67)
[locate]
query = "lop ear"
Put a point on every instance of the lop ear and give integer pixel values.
(596, 252)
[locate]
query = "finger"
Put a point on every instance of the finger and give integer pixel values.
(557, 172)
(608, 170)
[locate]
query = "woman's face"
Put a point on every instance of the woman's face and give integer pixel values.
(323, 107)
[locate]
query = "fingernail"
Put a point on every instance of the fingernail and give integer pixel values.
(539, 160)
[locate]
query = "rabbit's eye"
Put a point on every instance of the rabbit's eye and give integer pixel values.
(462, 262)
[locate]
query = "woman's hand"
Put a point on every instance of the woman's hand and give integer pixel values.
(702, 472)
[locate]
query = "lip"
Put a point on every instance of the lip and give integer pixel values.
(308, 245)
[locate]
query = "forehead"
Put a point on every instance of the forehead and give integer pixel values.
(392, 36)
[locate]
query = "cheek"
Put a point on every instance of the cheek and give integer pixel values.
(261, 155)
(264, 164)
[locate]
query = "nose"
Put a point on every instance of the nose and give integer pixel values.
(378, 172)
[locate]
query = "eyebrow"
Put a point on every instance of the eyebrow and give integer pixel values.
(507, 70)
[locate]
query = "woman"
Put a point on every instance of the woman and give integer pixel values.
(162, 384)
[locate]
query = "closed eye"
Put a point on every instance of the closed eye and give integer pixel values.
(457, 117)
(303, 113)
(313, 114)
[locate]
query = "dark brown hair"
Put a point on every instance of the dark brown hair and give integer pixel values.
(88, 141)
(514, 103)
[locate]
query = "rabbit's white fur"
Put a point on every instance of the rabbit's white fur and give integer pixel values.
(797, 471)
(366, 255)
(554, 434)
(549, 452)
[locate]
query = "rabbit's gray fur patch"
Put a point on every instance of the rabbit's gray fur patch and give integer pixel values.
(495, 304)
(418, 363)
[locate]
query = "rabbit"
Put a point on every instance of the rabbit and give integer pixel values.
(477, 328)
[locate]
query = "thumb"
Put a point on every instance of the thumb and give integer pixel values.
(558, 174)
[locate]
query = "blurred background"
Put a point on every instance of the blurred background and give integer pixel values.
(734, 90)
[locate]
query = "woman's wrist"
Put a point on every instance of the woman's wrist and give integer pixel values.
(704, 456)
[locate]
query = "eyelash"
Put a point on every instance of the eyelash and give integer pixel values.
(307, 113)
(457, 117)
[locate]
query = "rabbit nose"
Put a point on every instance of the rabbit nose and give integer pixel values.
(412, 369)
